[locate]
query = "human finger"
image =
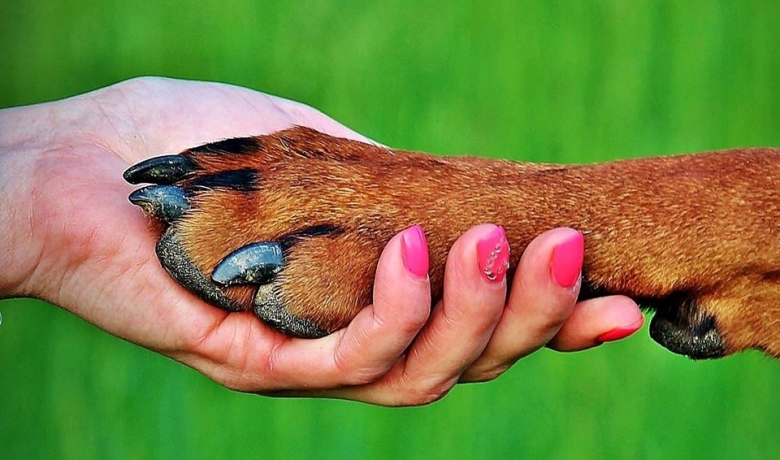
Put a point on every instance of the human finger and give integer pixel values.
(459, 328)
(599, 320)
(543, 295)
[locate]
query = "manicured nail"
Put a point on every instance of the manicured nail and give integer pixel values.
(619, 333)
(567, 261)
(493, 255)
(414, 249)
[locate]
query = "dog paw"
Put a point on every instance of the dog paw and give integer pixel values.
(288, 225)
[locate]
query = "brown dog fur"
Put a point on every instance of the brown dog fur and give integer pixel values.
(694, 236)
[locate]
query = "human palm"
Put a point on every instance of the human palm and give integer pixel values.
(108, 247)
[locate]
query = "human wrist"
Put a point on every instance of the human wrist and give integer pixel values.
(22, 138)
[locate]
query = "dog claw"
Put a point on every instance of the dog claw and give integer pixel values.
(252, 264)
(160, 170)
(268, 308)
(165, 202)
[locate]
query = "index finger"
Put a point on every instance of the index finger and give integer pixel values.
(373, 341)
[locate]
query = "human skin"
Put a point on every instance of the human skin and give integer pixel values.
(72, 238)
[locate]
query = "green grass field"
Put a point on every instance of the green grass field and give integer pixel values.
(542, 80)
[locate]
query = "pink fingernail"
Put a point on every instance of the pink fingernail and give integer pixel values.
(493, 255)
(567, 260)
(619, 333)
(414, 249)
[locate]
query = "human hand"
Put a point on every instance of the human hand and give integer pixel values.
(73, 239)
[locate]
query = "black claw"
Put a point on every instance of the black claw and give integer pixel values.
(166, 202)
(160, 170)
(252, 264)
(175, 260)
(268, 308)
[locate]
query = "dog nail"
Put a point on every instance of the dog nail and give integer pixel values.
(414, 250)
(567, 260)
(166, 202)
(252, 264)
(493, 255)
(160, 170)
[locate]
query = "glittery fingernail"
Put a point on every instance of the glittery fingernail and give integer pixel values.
(493, 255)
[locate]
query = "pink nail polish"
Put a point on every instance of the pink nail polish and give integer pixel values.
(567, 260)
(618, 333)
(414, 250)
(493, 255)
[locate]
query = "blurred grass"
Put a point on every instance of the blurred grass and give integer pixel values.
(540, 80)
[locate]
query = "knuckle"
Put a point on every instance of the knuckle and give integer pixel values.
(362, 376)
(550, 319)
(486, 374)
(355, 376)
(552, 325)
(422, 394)
(421, 398)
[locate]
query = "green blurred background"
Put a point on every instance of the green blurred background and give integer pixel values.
(542, 80)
